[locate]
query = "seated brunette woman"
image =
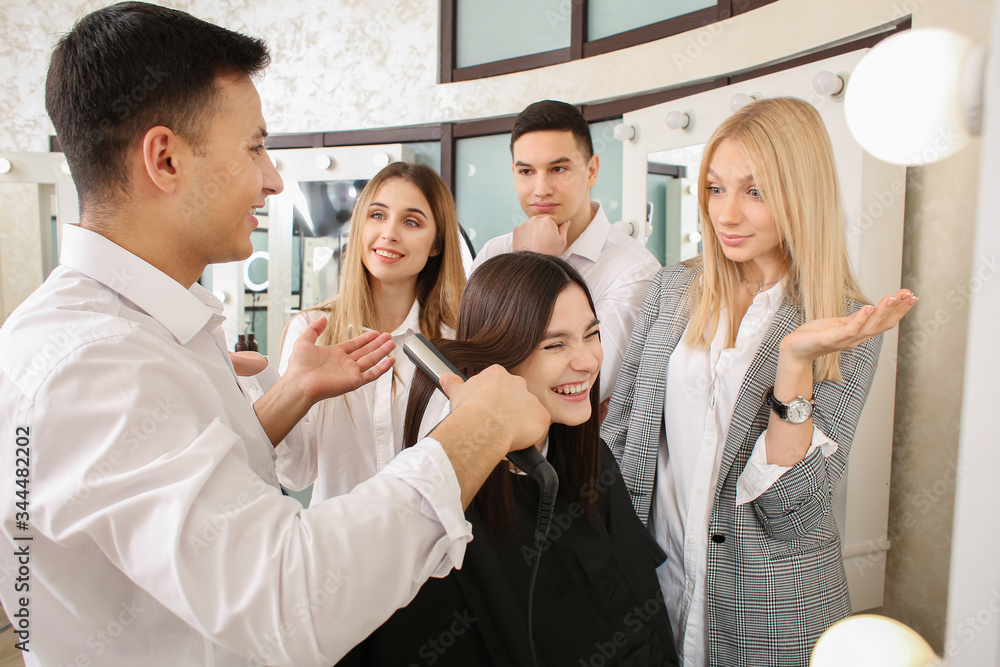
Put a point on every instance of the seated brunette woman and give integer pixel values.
(596, 598)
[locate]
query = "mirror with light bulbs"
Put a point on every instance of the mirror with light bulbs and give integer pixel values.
(298, 244)
(672, 196)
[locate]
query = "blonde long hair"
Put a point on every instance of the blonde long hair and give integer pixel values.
(787, 147)
(439, 284)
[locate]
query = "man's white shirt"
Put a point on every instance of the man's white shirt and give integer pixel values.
(617, 268)
(158, 535)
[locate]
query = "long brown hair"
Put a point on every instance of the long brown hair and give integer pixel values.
(787, 147)
(505, 312)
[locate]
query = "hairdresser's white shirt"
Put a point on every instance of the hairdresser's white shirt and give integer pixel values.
(158, 534)
(617, 268)
(701, 390)
(350, 438)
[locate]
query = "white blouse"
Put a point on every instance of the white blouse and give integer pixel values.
(352, 437)
(701, 390)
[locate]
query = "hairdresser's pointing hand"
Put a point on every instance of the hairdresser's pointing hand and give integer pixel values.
(833, 334)
(316, 372)
(541, 234)
(492, 414)
(324, 371)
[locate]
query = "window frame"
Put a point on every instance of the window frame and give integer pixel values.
(580, 47)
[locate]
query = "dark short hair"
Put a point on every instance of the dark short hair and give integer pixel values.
(129, 67)
(553, 116)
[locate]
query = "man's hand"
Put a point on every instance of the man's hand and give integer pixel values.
(325, 371)
(316, 372)
(541, 234)
(492, 414)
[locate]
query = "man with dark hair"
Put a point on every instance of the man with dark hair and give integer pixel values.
(145, 516)
(554, 165)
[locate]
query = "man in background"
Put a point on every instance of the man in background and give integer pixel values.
(554, 165)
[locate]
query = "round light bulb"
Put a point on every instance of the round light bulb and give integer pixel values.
(64, 167)
(625, 132)
(381, 160)
(5, 166)
(694, 237)
(905, 102)
(867, 640)
(829, 84)
(323, 162)
(679, 120)
(740, 100)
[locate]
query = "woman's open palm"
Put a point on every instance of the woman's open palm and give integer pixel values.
(833, 334)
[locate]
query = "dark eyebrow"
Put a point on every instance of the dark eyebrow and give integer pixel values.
(560, 334)
(260, 134)
(411, 210)
(558, 160)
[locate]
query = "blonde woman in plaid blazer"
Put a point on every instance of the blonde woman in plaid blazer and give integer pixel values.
(754, 574)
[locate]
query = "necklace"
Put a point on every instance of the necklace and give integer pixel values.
(760, 285)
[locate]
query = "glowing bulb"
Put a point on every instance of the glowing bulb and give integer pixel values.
(916, 97)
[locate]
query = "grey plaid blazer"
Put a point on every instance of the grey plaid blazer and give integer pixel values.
(776, 579)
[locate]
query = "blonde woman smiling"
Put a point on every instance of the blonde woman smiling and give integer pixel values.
(740, 392)
(402, 273)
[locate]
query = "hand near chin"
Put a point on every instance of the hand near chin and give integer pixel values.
(324, 371)
(834, 334)
(541, 234)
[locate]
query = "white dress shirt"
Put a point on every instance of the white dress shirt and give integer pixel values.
(701, 390)
(158, 534)
(349, 438)
(617, 269)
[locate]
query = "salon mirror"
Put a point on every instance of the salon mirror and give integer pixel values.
(36, 195)
(672, 203)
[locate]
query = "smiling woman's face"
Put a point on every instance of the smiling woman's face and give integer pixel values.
(563, 369)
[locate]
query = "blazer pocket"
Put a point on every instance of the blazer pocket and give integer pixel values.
(825, 537)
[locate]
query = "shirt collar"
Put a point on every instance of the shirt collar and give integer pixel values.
(591, 241)
(183, 312)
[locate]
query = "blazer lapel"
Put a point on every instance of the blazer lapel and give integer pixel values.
(646, 421)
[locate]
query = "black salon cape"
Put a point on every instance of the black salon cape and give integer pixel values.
(597, 599)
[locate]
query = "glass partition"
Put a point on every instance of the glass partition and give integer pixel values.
(484, 188)
(489, 31)
(610, 17)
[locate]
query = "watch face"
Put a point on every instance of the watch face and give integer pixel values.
(798, 411)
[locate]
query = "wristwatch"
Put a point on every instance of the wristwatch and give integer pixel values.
(796, 411)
